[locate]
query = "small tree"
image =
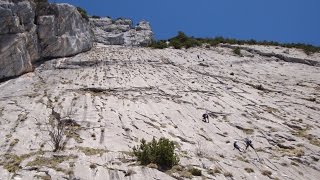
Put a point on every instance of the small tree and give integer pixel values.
(56, 129)
(158, 152)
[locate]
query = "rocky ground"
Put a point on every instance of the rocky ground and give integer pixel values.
(113, 96)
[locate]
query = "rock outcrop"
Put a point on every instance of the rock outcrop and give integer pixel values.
(18, 38)
(29, 33)
(121, 32)
(62, 31)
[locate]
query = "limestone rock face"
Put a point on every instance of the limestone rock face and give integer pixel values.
(18, 38)
(62, 31)
(111, 97)
(121, 32)
(28, 34)
(142, 35)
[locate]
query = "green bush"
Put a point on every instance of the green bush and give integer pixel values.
(158, 152)
(182, 40)
(83, 13)
(176, 44)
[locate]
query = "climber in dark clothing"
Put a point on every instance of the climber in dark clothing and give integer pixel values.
(205, 117)
(248, 143)
(236, 146)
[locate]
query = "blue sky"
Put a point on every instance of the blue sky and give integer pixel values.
(273, 20)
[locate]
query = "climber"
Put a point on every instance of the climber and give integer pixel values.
(205, 117)
(236, 146)
(248, 143)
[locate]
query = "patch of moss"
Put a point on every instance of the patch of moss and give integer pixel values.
(45, 177)
(304, 134)
(243, 159)
(51, 162)
(313, 140)
(297, 152)
(300, 132)
(92, 151)
(272, 110)
(186, 174)
(11, 162)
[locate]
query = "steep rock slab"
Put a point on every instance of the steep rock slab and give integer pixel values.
(18, 38)
(121, 32)
(113, 96)
(62, 31)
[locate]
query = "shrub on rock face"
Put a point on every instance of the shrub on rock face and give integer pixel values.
(83, 13)
(158, 152)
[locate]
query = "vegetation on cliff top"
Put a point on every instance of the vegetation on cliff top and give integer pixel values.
(182, 40)
(83, 13)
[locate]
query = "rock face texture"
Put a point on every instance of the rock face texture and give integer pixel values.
(121, 32)
(62, 31)
(28, 34)
(18, 38)
(280, 53)
(117, 95)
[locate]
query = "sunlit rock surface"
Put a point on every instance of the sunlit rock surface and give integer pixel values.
(113, 96)
(31, 32)
(121, 32)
